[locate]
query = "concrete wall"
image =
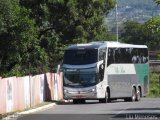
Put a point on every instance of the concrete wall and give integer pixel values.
(19, 93)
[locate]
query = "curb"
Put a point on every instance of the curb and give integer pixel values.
(37, 109)
(16, 115)
(32, 110)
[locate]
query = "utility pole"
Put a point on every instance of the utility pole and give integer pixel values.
(116, 15)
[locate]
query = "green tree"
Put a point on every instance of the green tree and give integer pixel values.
(72, 20)
(152, 32)
(63, 22)
(132, 33)
(157, 1)
(79, 20)
(34, 33)
(19, 45)
(142, 33)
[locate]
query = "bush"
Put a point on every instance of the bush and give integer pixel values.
(154, 85)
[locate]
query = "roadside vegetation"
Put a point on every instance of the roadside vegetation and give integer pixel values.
(34, 33)
(154, 85)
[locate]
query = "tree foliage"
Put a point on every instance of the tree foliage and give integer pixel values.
(131, 32)
(72, 20)
(157, 1)
(34, 33)
(142, 33)
(19, 45)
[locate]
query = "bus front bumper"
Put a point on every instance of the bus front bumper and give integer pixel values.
(80, 94)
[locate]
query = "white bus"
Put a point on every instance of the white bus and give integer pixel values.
(105, 71)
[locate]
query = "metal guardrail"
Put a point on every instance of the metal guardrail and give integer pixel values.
(154, 61)
(154, 65)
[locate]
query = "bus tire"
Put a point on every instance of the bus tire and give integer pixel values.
(75, 101)
(107, 96)
(138, 94)
(78, 101)
(82, 101)
(133, 98)
(127, 99)
(102, 100)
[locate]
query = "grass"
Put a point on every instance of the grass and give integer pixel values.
(154, 85)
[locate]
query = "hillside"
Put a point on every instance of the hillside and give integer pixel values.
(136, 10)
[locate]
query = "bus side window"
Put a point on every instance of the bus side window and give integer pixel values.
(134, 55)
(128, 54)
(143, 55)
(117, 55)
(145, 59)
(110, 59)
(102, 54)
(139, 55)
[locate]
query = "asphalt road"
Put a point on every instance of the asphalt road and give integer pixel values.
(146, 109)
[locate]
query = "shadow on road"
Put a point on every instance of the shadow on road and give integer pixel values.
(141, 109)
(137, 116)
(86, 102)
(71, 103)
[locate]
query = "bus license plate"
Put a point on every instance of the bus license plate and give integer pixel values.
(79, 96)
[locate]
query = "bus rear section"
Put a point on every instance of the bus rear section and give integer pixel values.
(128, 72)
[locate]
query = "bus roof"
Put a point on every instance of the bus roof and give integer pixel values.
(124, 45)
(86, 46)
(101, 44)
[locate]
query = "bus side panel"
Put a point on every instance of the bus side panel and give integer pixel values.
(142, 70)
(121, 78)
(121, 85)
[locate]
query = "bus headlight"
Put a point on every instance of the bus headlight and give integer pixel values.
(93, 90)
(65, 91)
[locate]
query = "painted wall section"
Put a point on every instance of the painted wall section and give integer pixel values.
(19, 93)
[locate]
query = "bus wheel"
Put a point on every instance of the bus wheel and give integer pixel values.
(102, 100)
(133, 98)
(107, 96)
(78, 101)
(82, 101)
(75, 101)
(127, 99)
(138, 94)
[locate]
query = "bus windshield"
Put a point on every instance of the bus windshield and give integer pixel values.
(80, 57)
(80, 77)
